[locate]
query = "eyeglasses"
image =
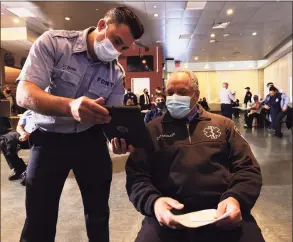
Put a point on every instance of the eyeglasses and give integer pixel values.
(160, 100)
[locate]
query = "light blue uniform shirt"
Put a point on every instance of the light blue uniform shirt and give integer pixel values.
(26, 120)
(226, 96)
(59, 63)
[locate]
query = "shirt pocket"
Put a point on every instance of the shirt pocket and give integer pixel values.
(98, 89)
(64, 83)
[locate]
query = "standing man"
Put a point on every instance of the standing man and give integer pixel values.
(144, 100)
(130, 95)
(248, 96)
(226, 98)
(66, 79)
(278, 105)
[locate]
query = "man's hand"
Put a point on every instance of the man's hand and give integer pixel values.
(284, 109)
(86, 110)
(229, 204)
(267, 107)
(163, 214)
(120, 147)
(24, 136)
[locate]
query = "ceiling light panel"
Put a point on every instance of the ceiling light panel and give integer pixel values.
(195, 5)
(21, 12)
(221, 25)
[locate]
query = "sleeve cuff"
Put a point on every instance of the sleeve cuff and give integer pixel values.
(149, 210)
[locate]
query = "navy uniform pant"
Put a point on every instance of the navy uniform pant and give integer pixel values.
(248, 231)
(52, 157)
(227, 110)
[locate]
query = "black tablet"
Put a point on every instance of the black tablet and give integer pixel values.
(127, 123)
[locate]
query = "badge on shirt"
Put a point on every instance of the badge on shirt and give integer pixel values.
(277, 100)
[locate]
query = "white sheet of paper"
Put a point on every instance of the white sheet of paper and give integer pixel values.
(199, 218)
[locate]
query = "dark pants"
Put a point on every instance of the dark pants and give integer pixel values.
(274, 113)
(151, 231)
(10, 145)
(227, 110)
(52, 157)
(249, 119)
(278, 124)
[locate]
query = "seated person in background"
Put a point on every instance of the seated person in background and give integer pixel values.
(158, 110)
(277, 104)
(131, 95)
(236, 110)
(198, 161)
(10, 142)
(255, 109)
(204, 104)
(130, 102)
(200, 101)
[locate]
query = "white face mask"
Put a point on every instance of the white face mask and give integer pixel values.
(178, 106)
(105, 50)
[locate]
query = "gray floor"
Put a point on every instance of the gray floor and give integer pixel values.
(273, 210)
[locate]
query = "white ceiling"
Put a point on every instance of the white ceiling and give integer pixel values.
(271, 20)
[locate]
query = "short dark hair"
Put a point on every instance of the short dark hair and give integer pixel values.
(270, 83)
(272, 88)
(123, 15)
(160, 95)
(128, 89)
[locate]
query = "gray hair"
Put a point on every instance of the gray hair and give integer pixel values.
(192, 76)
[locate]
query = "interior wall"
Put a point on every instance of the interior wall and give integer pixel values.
(210, 83)
(280, 73)
(156, 79)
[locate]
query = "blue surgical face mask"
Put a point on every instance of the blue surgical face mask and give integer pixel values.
(178, 106)
(105, 50)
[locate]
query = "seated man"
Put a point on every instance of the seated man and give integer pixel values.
(204, 104)
(12, 142)
(130, 102)
(130, 95)
(158, 110)
(199, 160)
(255, 109)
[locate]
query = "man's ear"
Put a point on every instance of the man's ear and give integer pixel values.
(101, 24)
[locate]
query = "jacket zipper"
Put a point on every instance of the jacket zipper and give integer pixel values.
(187, 126)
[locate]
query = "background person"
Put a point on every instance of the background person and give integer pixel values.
(144, 100)
(159, 109)
(130, 95)
(226, 99)
(255, 109)
(12, 142)
(67, 110)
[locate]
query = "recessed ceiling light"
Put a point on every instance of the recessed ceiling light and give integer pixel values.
(213, 35)
(16, 20)
(67, 18)
(196, 58)
(155, 6)
(156, 15)
(230, 11)
(224, 57)
(159, 41)
(226, 35)
(21, 12)
(254, 33)
(97, 9)
(212, 41)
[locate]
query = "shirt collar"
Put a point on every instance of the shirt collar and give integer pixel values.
(81, 44)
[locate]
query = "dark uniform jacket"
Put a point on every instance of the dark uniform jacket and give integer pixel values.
(130, 95)
(199, 163)
(247, 97)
